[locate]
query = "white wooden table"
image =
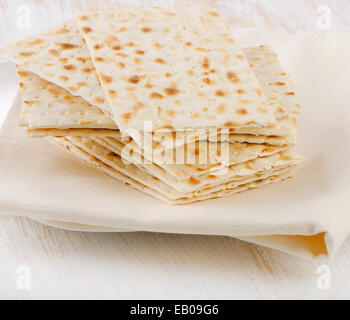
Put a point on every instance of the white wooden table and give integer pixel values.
(65, 264)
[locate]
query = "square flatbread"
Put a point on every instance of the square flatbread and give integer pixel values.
(176, 67)
(145, 182)
(60, 56)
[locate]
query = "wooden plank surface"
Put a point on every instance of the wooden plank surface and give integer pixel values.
(65, 264)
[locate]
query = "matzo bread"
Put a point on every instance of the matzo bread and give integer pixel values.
(233, 173)
(233, 138)
(151, 190)
(275, 81)
(47, 105)
(161, 65)
(60, 56)
(196, 159)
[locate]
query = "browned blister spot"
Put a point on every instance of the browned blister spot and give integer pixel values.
(134, 79)
(27, 54)
(286, 158)
(86, 70)
(86, 29)
(290, 94)
(63, 60)
(200, 49)
(244, 101)
(121, 54)
(130, 88)
(106, 78)
(71, 88)
(213, 13)
(168, 75)
(281, 84)
(54, 52)
(195, 115)
(166, 30)
(239, 57)
(130, 44)
(221, 108)
(99, 100)
(83, 18)
(126, 116)
(122, 29)
(259, 93)
(206, 80)
(112, 93)
(205, 63)
(82, 84)
(35, 42)
(171, 91)
(22, 73)
(240, 91)
(220, 93)
(82, 122)
(141, 52)
(30, 102)
(116, 48)
(98, 46)
(156, 95)
(232, 76)
(146, 29)
(159, 60)
(294, 121)
(188, 44)
(138, 106)
(52, 91)
(69, 67)
(67, 46)
(121, 65)
(230, 124)
(280, 110)
(81, 59)
(262, 110)
(63, 31)
(171, 113)
(21, 84)
(137, 60)
(111, 40)
(242, 111)
(63, 78)
(99, 59)
(193, 181)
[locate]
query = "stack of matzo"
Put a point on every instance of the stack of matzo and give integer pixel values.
(162, 99)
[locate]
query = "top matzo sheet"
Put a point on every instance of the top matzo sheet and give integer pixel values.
(176, 67)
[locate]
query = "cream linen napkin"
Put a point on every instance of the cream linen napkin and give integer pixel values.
(307, 216)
